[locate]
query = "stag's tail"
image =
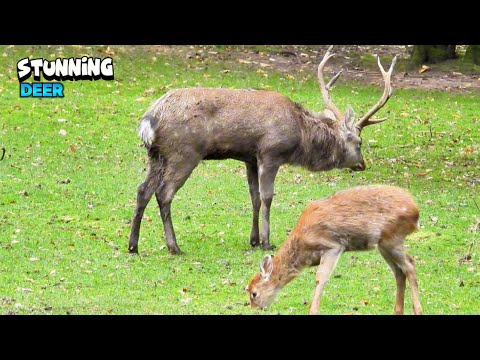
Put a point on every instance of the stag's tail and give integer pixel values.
(146, 130)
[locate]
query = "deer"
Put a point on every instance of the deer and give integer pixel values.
(263, 129)
(357, 219)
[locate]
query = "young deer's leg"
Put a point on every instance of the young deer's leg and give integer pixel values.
(174, 177)
(144, 194)
(252, 174)
(328, 262)
(407, 265)
(400, 279)
(266, 175)
(412, 279)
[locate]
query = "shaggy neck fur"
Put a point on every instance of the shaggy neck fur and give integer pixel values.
(322, 143)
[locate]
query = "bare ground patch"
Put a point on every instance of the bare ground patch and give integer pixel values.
(356, 60)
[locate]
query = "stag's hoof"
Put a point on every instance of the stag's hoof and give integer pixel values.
(133, 249)
(175, 251)
(269, 247)
(254, 243)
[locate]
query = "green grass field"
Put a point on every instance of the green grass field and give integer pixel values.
(66, 202)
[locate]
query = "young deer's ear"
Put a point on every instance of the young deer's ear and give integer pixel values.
(266, 267)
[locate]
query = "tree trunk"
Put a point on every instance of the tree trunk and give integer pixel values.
(431, 54)
(473, 54)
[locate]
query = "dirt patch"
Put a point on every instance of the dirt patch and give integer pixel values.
(356, 60)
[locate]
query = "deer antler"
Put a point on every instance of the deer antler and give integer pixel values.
(387, 75)
(325, 88)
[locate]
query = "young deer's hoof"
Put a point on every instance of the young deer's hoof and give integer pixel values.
(133, 249)
(268, 247)
(254, 243)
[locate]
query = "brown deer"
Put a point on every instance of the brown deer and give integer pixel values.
(261, 128)
(360, 218)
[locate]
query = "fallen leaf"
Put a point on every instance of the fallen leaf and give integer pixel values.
(72, 148)
(62, 132)
(34, 259)
(423, 69)
(109, 51)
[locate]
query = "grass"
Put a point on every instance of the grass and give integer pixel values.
(66, 202)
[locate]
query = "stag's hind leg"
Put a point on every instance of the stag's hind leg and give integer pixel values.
(252, 174)
(144, 194)
(174, 176)
(403, 261)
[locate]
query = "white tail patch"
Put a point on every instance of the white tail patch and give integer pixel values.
(146, 132)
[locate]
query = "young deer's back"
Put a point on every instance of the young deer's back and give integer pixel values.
(358, 218)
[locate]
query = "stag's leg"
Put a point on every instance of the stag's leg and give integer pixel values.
(252, 174)
(266, 175)
(328, 262)
(174, 177)
(144, 194)
(407, 266)
(400, 279)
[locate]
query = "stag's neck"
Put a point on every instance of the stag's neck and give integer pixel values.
(287, 263)
(322, 145)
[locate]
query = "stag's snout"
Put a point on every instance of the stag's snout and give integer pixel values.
(359, 167)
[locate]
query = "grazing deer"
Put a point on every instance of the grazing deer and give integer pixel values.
(360, 218)
(261, 128)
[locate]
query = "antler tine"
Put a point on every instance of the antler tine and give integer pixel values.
(325, 88)
(331, 82)
(387, 93)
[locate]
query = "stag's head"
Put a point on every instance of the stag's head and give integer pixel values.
(351, 127)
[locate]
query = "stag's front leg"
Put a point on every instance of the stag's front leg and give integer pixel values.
(266, 175)
(252, 174)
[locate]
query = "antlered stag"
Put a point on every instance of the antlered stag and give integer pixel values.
(261, 128)
(360, 218)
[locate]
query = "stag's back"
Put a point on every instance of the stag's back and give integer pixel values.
(222, 121)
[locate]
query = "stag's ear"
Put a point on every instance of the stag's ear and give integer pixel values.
(349, 117)
(266, 267)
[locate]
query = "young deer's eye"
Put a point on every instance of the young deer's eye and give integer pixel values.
(254, 295)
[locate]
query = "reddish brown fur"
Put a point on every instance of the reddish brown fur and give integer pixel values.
(356, 219)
